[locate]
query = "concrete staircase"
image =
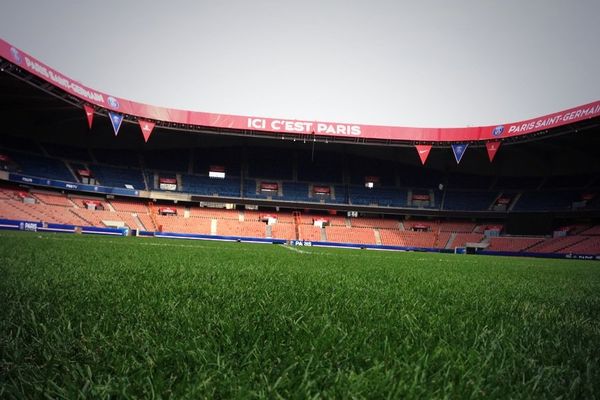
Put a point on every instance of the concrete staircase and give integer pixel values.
(377, 236)
(450, 241)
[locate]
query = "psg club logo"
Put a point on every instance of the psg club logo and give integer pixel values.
(16, 55)
(114, 103)
(498, 130)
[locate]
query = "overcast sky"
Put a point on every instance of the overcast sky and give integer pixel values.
(409, 63)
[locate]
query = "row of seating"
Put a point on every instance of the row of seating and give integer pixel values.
(522, 191)
(59, 208)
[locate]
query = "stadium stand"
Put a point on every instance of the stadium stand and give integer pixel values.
(379, 196)
(168, 223)
(43, 167)
(203, 185)
(556, 245)
(228, 227)
(363, 222)
(461, 200)
(461, 239)
(590, 245)
(551, 200)
(53, 199)
(282, 230)
(130, 205)
(458, 227)
(118, 177)
(350, 235)
(309, 232)
(515, 244)
(406, 238)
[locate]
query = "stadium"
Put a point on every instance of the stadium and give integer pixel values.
(480, 229)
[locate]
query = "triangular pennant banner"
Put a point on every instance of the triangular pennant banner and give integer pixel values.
(89, 113)
(492, 149)
(147, 127)
(423, 150)
(116, 120)
(459, 151)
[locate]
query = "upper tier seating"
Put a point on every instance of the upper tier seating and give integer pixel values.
(384, 197)
(43, 167)
(203, 185)
(295, 191)
(461, 200)
(118, 177)
(552, 200)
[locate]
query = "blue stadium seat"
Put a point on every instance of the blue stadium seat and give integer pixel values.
(468, 201)
(42, 166)
(203, 185)
(118, 177)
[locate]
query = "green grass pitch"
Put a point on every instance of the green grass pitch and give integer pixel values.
(106, 317)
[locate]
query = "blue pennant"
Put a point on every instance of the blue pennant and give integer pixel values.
(459, 151)
(115, 120)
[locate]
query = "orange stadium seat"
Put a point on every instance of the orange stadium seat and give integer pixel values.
(512, 243)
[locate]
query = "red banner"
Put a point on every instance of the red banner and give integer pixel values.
(420, 197)
(321, 189)
(423, 150)
(89, 114)
(492, 149)
(167, 210)
(216, 168)
(269, 186)
(280, 126)
(86, 173)
(167, 180)
(147, 128)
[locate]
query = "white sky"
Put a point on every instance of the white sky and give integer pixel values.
(410, 63)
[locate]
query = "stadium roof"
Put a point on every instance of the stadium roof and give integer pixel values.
(35, 72)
